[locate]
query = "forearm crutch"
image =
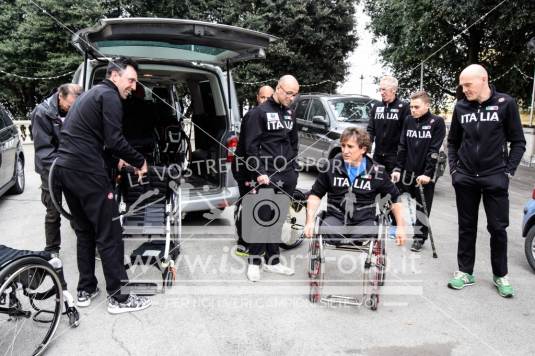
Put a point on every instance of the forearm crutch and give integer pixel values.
(424, 204)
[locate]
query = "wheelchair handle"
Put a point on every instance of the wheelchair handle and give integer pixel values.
(58, 206)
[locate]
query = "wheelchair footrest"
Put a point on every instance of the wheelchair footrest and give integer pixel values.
(353, 248)
(150, 252)
(141, 288)
(341, 299)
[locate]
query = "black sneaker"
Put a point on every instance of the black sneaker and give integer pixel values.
(417, 246)
(132, 304)
(84, 298)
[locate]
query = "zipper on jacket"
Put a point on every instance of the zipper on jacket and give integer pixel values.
(477, 142)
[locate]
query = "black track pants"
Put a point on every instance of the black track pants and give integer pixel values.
(270, 251)
(95, 214)
(468, 192)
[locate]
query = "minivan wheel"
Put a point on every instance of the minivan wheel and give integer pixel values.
(18, 188)
(529, 247)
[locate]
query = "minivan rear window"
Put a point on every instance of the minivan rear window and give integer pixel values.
(165, 50)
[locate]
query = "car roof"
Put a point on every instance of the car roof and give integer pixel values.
(335, 96)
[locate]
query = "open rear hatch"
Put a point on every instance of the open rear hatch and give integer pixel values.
(171, 39)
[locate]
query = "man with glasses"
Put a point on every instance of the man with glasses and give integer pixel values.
(384, 128)
(272, 145)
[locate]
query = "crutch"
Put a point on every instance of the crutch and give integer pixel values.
(422, 196)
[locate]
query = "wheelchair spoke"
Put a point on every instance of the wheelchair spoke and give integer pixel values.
(30, 288)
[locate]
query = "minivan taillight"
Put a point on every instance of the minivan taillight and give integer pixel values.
(533, 194)
(232, 143)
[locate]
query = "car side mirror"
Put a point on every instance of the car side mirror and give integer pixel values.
(320, 120)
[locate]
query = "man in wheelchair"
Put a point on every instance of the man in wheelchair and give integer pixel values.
(354, 183)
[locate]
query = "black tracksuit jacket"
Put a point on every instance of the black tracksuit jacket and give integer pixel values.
(420, 143)
(46, 126)
(238, 167)
(386, 122)
(94, 126)
(271, 139)
(373, 184)
(477, 141)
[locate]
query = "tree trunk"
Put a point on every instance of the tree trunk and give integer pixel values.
(474, 44)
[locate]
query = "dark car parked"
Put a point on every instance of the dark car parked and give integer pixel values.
(321, 118)
(11, 155)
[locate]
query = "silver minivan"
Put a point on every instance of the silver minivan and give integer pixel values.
(190, 97)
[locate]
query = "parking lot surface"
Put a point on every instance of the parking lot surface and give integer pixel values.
(213, 309)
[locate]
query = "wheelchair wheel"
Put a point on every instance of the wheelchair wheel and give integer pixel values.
(315, 292)
(293, 242)
(373, 301)
(31, 300)
(380, 254)
(292, 231)
(169, 277)
(315, 270)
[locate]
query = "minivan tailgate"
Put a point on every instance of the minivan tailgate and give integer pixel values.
(175, 39)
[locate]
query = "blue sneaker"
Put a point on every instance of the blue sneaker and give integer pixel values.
(392, 232)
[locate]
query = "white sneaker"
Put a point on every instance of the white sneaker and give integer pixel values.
(83, 298)
(132, 304)
(253, 273)
(278, 268)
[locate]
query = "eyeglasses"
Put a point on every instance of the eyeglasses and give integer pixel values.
(289, 94)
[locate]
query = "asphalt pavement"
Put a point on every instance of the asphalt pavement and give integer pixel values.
(214, 310)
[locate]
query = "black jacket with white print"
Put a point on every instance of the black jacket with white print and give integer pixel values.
(479, 132)
(420, 143)
(370, 187)
(386, 122)
(271, 143)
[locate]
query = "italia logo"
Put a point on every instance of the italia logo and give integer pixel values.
(418, 134)
(358, 183)
(482, 116)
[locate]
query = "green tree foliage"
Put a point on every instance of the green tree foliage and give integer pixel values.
(414, 29)
(315, 38)
(34, 45)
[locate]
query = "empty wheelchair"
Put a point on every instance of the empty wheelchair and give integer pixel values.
(33, 297)
(374, 249)
(151, 211)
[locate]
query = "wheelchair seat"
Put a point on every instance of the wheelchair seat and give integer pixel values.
(338, 234)
(8, 255)
(146, 202)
